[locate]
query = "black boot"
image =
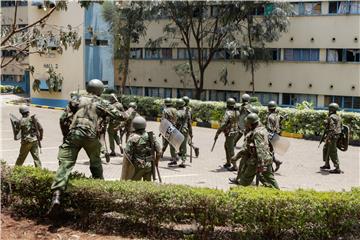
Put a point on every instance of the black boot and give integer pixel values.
(233, 168)
(55, 204)
(326, 166)
(112, 154)
(335, 171)
(196, 149)
(227, 165)
(277, 164)
(234, 180)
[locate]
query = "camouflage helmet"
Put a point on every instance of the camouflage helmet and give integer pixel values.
(333, 107)
(251, 119)
(139, 123)
(167, 102)
(245, 97)
(95, 86)
(186, 99)
(254, 110)
(272, 105)
(113, 98)
(24, 109)
(230, 102)
(180, 102)
(133, 105)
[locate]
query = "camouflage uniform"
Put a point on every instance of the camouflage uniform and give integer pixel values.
(258, 157)
(169, 113)
(83, 134)
(273, 125)
(333, 126)
(29, 142)
(112, 131)
(244, 110)
(130, 115)
(139, 151)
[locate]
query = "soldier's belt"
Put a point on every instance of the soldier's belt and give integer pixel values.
(146, 159)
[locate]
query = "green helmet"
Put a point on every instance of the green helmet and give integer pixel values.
(95, 86)
(186, 99)
(139, 123)
(254, 110)
(167, 102)
(133, 105)
(180, 102)
(252, 118)
(272, 105)
(24, 109)
(113, 98)
(230, 102)
(245, 97)
(333, 107)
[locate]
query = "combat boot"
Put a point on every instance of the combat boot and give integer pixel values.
(55, 204)
(277, 164)
(173, 162)
(234, 181)
(335, 171)
(233, 168)
(227, 165)
(182, 165)
(326, 166)
(196, 149)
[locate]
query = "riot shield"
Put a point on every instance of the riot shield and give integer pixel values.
(15, 123)
(171, 134)
(343, 141)
(128, 169)
(280, 144)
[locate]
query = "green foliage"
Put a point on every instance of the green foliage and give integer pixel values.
(304, 121)
(251, 213)
(11, 89)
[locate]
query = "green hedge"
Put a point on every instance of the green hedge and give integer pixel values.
(250, 213)
(11, 89)
(308, 121)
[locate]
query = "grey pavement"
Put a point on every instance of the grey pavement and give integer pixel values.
(299, 170)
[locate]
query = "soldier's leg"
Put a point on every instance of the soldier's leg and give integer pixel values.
(35, 154)
(268, 179)
(334, 156)
(229, 146)
(247, 175)
(67, 156)
(326, 152)
(111, 134)
(92, 148)
(138, 175)
(183, 150)
(237, 138)
(147, 174)
(24, 151)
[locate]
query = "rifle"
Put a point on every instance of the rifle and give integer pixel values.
(191, 150)
(323, 136)
(214, 144)
(37, 131)
(153, 165)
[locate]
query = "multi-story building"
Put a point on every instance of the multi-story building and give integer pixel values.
(317, 60)
(15, 73)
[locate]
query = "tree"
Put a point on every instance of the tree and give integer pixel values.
(194, 25)
(127, 24)
(257, 31)
(40, 38)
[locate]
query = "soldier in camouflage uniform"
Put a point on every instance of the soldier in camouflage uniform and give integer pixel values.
(83, 133)
(189, 110)
(139, 150)
(244, 110)
(113, 123)
(130, 115)
(31, 132)
(183, 124)
(68, 114)
(230, 127)
(333, 126)
(169, 113)
(273, 125)
(256, 151)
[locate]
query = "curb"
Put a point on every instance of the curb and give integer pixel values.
(35, 105)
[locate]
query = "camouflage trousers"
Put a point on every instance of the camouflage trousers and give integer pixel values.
(25, 148)
(266, 178)
(142, 174)
(229, 147)
(165, 144)
(237, 138)
(330, 152)
(113, 138)
(67, 156)
(182, 149)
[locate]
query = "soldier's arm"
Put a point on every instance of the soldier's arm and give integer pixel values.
(40, 128)
(190, 125)
(223, 124)
(332, 124)
(110, 110)
(261, 149)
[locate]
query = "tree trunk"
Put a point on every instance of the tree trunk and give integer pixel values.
(253, 77)
(125, 69)
(199, 89)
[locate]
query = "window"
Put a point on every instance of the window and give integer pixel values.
(167, 93)
(8, 53)
(152, 53)
(343, 101)
(182, 53)
(152, 92)
(267, 53)
(133, 91)
(307, 8)
(293, 99)
(96, 42)
(292, 54)
(185, 92)
(265, 98)
(12, 3)
(218, 95)
(8, 78)
(343, 55)
(166, 53)
(136, 53)
(344, 7)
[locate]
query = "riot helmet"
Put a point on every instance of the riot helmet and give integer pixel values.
(139, 123)
(95, 86)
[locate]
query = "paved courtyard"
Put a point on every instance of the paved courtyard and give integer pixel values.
(299, 170)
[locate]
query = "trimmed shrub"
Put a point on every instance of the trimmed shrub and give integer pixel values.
(251, 213)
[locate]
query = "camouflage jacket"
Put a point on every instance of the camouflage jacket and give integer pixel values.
(183, 123)
(256, 147)
(130, 115)
(273, 121)
(28, 129)
(333, 125)
(91, 110)
(230, 122)
(244, 111)
(170, 113)
(113, 122)
(138, 149)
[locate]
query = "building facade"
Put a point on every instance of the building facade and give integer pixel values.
(317, 60)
